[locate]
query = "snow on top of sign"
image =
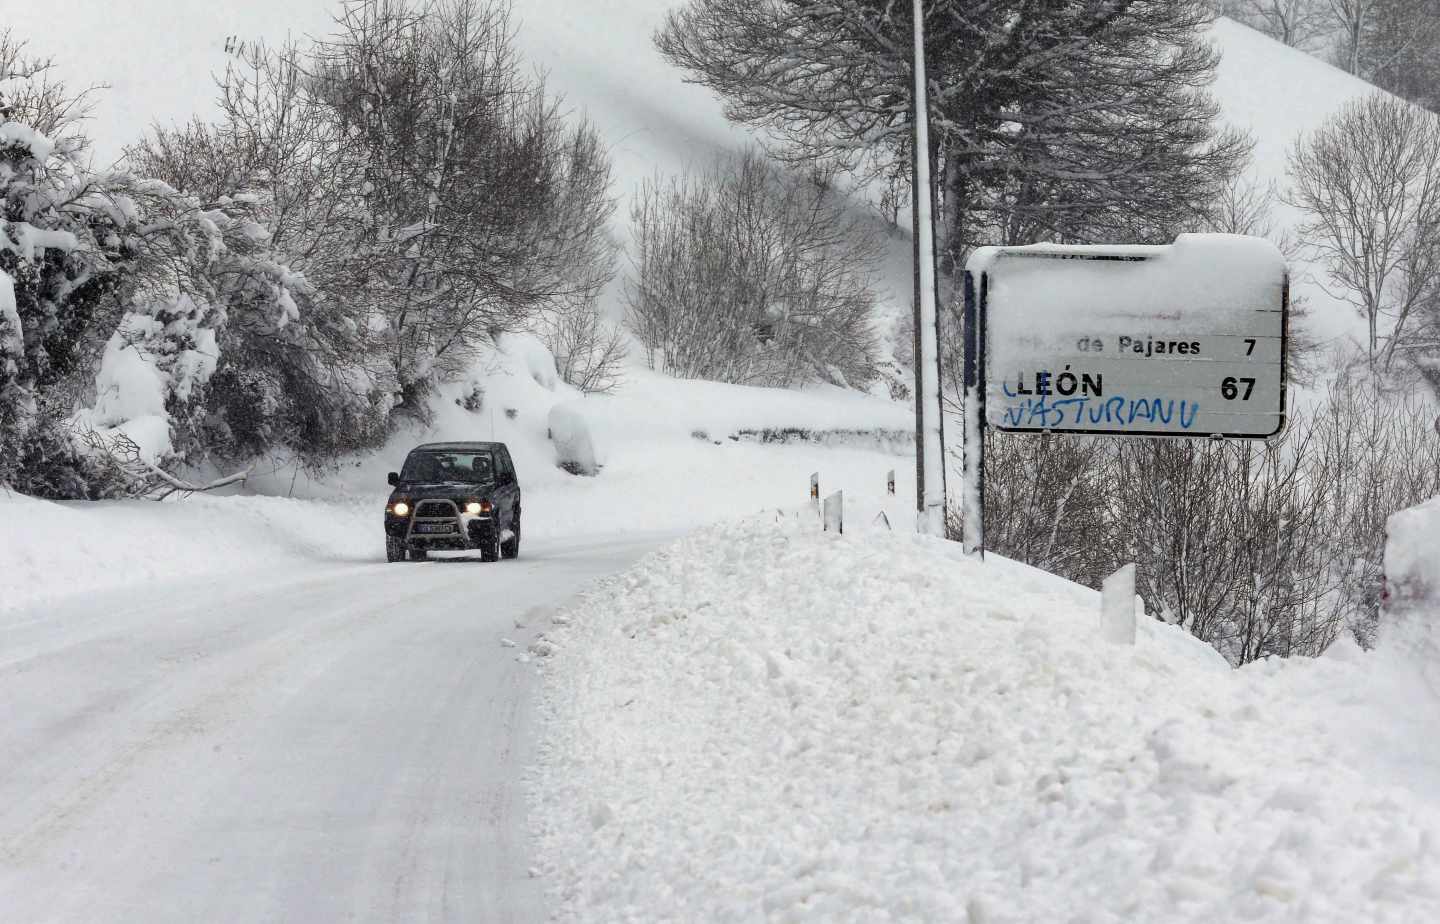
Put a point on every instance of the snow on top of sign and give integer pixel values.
(1212, 251)
(1111, 288)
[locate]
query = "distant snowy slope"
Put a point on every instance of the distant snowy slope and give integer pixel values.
(600, 57)
(1279, 94)
(1275, 92)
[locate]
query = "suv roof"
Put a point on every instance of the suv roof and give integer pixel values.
(456, 447)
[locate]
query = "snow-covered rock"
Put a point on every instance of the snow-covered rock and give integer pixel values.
(575, 449)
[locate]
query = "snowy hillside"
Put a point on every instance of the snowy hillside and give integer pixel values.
(1278, 94)
(656, 124)
(767, 722)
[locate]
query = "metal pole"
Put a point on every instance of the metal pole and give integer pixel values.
(927, 392)
(973, 324)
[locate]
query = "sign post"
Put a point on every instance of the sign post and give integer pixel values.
(930, 438)
(1182, 340)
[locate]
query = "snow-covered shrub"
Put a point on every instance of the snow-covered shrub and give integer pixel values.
(60, 263)
(752, 275)
(589, 351)
(144, 328)
(1259, 548)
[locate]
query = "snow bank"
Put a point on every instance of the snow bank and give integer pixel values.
(51, 550)
(767, 722)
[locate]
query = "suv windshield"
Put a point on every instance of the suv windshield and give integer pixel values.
(473, 467)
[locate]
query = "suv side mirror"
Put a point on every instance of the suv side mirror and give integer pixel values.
(393, 478)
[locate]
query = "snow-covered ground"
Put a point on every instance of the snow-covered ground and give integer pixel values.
(315, 741)
(231, 708)
(767, 722)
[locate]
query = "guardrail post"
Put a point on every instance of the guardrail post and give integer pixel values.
(890, 482)
(815, 492)
(1117, 607)
(835, 512)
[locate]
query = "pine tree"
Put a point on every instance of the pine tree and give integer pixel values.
(1063, 121)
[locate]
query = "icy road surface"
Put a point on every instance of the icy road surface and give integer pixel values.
(310, 744)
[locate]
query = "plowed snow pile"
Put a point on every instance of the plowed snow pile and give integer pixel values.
(765, 722)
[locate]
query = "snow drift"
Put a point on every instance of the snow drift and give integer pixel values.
(765, 722)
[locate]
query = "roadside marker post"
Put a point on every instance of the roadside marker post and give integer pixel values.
(1117, 607)
(835, 513)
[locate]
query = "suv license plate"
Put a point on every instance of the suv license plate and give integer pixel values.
(434, 527)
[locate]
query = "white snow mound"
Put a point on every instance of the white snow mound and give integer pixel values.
(766, 722)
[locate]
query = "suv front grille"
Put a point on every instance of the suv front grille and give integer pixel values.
(435, 509)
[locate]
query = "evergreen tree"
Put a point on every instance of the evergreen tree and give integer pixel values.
(1065, 121)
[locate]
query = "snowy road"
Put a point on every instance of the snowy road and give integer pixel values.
(320, 744)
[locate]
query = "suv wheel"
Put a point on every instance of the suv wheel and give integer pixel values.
(510, 548)
(394, 550)
(490, 547)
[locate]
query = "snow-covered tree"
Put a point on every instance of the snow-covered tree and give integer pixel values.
(1064, 121)
(430, 194)
(60, 267)
(480, 202)
(753, 275)
(120, 298)
(1298, 23)
(1368, 183)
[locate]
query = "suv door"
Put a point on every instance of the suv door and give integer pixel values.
(509, 486)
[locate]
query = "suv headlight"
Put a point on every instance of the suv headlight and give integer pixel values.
(473, 508)
(400, 509)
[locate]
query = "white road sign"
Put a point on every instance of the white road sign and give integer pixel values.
(1186, 339)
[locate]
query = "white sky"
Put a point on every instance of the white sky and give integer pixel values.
(159, 58)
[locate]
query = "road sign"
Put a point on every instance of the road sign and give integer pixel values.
(1185, 339)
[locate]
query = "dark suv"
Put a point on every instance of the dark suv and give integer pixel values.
(454, 496)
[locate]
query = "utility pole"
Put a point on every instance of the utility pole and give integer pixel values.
(929, 436)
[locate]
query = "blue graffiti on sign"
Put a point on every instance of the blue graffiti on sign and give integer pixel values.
(1117, 410)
